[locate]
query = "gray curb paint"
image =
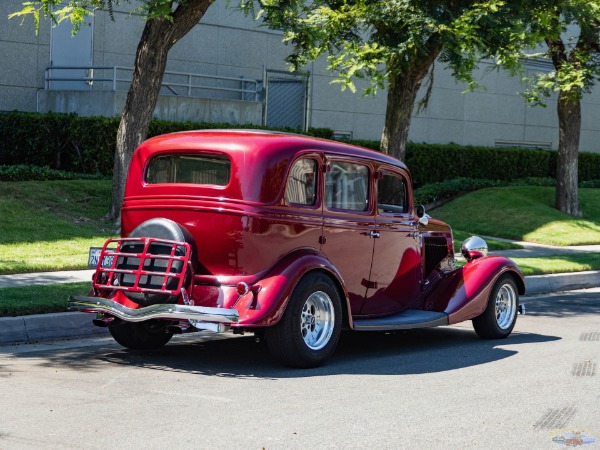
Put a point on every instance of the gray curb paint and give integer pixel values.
(41, 327)
(543, 284)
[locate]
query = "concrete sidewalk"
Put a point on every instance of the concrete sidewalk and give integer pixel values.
(532, 250)
(38, 278)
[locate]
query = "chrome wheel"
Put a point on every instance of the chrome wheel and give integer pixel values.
(317, 320)
(500, 315)
(506, 306)
(309, 330)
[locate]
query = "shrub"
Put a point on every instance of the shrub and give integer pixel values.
(80, 144)
(23, 172)
(86, 144)
(435, 163)
(59, 141)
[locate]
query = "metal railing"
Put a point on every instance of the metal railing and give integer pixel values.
(117, 78)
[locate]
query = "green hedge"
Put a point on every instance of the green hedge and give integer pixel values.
(59, 141)
(444, 190)
(23, 172)
(433, 163)
(82, 144)
(86, 144)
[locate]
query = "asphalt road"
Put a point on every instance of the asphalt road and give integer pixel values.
(431, 389)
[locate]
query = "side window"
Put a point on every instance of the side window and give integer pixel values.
(391, 194)
(301, 186)
(347, 186)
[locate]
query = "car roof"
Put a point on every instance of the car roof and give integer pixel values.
(260, 160)
(261, 142)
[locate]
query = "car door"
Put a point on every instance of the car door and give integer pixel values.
(348, 219)
(396, 271)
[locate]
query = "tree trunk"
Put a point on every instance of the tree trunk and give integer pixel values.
(150, 64)
(569, 120)
(403, 86)
(159, 35)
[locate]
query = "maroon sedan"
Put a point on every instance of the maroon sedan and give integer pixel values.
(289, 237)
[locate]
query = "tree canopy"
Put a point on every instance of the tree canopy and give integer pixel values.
(394, 42)
(167, 21)
(566, 33)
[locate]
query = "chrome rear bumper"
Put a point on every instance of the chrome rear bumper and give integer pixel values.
(171, 312)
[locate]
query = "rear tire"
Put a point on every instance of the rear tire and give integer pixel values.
(500, 316)
(147, 335)
(309, 331)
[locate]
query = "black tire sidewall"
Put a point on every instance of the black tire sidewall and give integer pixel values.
(141, 336)
(292, 350)
(486, 325)
(162, 228)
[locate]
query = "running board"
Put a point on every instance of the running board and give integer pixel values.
(411, 318)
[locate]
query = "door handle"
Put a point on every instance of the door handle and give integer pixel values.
(374, 234)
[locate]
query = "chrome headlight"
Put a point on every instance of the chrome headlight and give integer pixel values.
(473, 248)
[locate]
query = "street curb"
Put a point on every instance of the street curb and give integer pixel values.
(40, 327)
(544, 284)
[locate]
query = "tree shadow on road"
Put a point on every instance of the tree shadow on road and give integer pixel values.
(565, 304)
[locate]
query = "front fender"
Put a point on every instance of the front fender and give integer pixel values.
(464, 293)
(267, 300)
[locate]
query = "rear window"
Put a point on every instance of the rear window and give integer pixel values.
(194, 169)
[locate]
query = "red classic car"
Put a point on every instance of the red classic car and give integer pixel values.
(289, 237)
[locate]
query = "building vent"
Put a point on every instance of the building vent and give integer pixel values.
(342, 135)
(523, 144)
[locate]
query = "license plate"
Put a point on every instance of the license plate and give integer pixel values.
(95, 255)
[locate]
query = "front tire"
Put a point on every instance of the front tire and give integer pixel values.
(500, 316)
(309, 331)
(147, 335)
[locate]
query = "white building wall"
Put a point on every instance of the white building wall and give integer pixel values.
(23, 58)
(226, 43)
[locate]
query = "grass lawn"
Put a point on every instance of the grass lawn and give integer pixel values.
(559, 264)
(460, 236)
(21, 301)
(50, 225)
(524, 213)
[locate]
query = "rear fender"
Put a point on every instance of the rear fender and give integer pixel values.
(464, 293)
(267, 299)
